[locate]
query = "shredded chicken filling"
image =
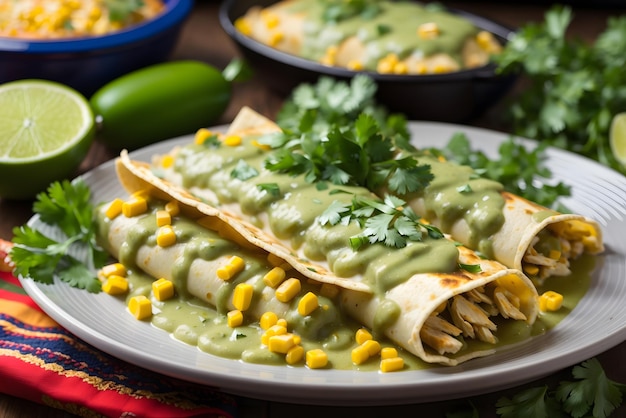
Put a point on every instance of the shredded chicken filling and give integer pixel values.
(571, 243)
(470, 316)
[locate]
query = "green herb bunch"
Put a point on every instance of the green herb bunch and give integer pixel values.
(66, 206)
(575, 88)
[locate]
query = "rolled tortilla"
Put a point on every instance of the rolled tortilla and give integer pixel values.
(432, 315)
(399, 37)
(539, 241)
(432, 301)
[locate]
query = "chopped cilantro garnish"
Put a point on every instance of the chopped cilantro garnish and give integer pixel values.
(271, 188)
(243, 171)
(334, 131)
(387, 221)
(67, 206)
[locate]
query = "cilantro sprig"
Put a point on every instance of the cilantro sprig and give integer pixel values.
(332, 132)
(591, 394)
(574, 88)
(519, 169)
(387, 221)
(65, 205)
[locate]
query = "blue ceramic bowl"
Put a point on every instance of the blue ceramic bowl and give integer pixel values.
(88, 63)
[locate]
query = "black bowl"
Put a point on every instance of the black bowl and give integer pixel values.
(452, 97)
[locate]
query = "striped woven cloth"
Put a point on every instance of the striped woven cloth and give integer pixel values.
(42, 362)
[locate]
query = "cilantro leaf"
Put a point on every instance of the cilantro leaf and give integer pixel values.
(386, 221)
(591, 392)
(574, 88)
(243, 171)
(529, 403)
(120, 10)
(332, 131)
(66, 206)
(521, 171)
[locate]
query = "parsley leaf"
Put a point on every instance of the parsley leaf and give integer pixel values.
(574, 88)
(67, 206)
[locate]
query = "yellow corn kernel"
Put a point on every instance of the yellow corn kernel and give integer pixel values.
(202, 135)
(384, 66)
(166, 236)
(282, 322)
(281, 343)
(531, 270)
(274, 277)
(354, 65)
(235, 265)
(487, 42)
(400, 68)
(114, 209)
(117, 269)
(134, 207)
(167, 161)
(329, 290)
(428, 30)
(268, 319)
(388, 352)
(288, 289)
(550, 301)
(272, 331)
(234, 318)
(264, 147)
(391, 364)
(140, 194)
(242, 296)
(172, 208)
(441, 68)
(295, 354)
(359, 355)
(163, 289)
(115, 285)
(232, 140)
(163, 218)
(555, 254)
(316, 358)
(276, 261)
(271, 20)
(421, 68)
(362, 335)
(307, 304)
(243, 26)
(275, 38)
(140, 307)
(372, 347)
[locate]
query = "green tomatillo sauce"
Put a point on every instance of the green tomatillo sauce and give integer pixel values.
(194, 321)
(391, 29)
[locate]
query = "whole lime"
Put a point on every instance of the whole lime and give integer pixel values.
(46, 130)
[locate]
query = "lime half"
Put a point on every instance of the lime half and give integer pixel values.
(46, 130)
(617, 138)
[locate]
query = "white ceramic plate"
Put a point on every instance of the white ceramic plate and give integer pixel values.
(595, 325)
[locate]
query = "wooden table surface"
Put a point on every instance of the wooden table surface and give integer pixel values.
(203, 39)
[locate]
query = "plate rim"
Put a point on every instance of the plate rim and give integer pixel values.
(479, 378)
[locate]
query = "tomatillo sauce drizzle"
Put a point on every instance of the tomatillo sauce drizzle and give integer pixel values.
(192, 321)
